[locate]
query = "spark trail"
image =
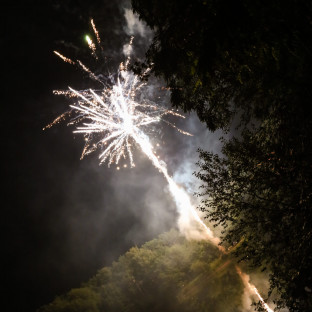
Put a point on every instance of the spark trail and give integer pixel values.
(113, 120)
(252, 288)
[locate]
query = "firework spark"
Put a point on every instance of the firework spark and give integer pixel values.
(91, 46)
(98, 39)
(113, 121)
(64, 58)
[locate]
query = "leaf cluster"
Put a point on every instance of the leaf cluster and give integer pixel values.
(165, 274)
(260, 192)
(252, 61)
(220, 57)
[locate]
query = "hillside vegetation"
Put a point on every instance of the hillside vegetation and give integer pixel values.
(166, 274)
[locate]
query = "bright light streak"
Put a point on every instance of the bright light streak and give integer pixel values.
(181, 198)
(112, 121)
(64, 58)
(91, 46)
(96, 33)
(252, 288)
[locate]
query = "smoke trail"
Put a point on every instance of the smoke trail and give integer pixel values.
(185, 209)
(252, 288)
(187, 213)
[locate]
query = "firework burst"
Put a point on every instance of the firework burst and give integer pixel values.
(113, 120)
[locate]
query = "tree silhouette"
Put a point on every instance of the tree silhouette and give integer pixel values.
(252, 61)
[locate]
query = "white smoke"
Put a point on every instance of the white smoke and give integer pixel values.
(183, 156)
(140, 31)
(247, 294)
(134, 25)
(127, 49)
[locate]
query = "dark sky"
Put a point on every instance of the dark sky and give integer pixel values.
(64, 218)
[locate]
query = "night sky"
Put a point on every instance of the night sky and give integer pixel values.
(65, 218)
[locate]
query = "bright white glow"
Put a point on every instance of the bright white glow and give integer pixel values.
(252, 288)
(113, 121)
(91, 46)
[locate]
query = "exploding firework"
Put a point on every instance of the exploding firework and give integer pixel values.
(113, 121)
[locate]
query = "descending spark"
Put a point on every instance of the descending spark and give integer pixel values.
(87, 70)
(64, 58)
(91, 46)
(98, 39)
(57, 120)
(64, 92)
(113, 121)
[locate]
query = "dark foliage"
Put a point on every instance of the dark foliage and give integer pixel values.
(219, 57)
(166, 274)
(261, 193)
(252, 60)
